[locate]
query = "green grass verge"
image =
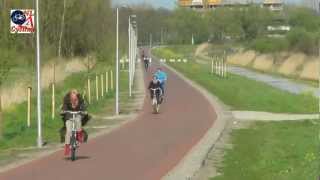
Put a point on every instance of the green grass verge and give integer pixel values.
(273, 151)
(242, 93)
(16, 134)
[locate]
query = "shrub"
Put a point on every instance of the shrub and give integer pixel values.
(269, 45)
(303, 41)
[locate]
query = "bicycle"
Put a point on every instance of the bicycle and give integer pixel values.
(146, 64)
(74, 144)
(156, 100)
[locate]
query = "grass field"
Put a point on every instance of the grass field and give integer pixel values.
(242, 93)
(273, 151)
(266, 150)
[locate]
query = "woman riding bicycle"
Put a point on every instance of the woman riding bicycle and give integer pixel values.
(73, 102)
(155, 89)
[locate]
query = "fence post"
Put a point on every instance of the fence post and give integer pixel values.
(226, 66)
(89, 90)
(225, 69)
(97, 88)
(29, 107)
(216, 65)
(107, 82)
(221, 67)
(212, 66)
(53, 100)
(111, 80)
(102, 86)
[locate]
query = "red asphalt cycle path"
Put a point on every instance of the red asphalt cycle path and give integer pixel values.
(144, 149)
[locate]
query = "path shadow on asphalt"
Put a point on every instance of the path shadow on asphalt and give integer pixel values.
(78, 158)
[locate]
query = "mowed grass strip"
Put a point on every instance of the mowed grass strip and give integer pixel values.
(242, 93)
(273, 151)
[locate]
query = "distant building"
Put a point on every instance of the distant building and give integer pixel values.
(273, 5)
(212, 3)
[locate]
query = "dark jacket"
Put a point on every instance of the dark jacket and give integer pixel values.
(157, 86)
(68, 107)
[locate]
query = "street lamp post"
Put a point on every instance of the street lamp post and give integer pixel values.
(39, 139)
(131, 54)
(117, 65)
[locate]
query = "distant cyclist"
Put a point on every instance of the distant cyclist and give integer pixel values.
(145, 61)
(162, 78)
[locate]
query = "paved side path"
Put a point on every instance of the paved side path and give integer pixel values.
(144, 149)
(277, 82)
(266, 116)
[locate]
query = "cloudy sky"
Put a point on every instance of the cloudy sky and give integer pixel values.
(165, 3)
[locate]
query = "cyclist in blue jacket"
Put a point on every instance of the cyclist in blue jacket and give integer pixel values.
(162, 78)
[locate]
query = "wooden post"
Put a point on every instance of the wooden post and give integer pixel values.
(111, 80)
(212, 67)
(89, 90)
(218, 67)
(107, 82)
(225, 58)
(102, 86)
(216, 63)
(222, 67)
(97, 88)
(29, 107)
(225, 68)
(53, 100)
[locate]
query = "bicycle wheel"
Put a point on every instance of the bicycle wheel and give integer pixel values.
(154, 105)
(154, 108)
(73, 143)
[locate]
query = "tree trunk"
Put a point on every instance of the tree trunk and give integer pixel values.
(62, 28)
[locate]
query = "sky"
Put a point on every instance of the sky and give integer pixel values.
(166, 3)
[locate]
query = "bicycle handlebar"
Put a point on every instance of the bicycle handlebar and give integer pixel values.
(74, 112)
(155, 89)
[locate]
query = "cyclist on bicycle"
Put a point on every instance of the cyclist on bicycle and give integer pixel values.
(146, 61)
(73, 102)
(155, 84)
(162, 78)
